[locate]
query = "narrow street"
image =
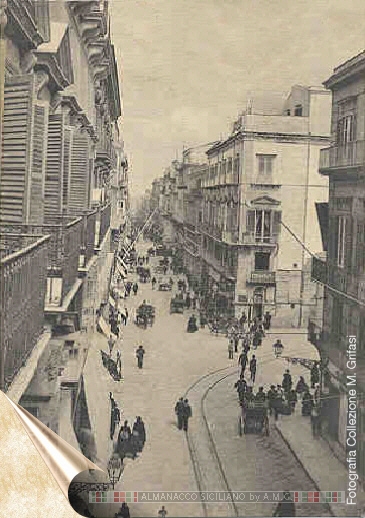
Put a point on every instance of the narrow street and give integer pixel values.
(174, 361)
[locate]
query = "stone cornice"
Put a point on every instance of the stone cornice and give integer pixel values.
(21, 24)
(71, 102)
(47, 61)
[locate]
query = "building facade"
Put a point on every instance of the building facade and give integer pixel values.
(63, 188)
(343, 275)
(259, 210)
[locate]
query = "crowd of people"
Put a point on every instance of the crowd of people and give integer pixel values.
(129, 442)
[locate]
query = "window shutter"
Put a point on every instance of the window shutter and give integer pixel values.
(348, 242)
(80, 177)
(66, 173)
(53, 187)
(276, 223)
(39, 140)
(333, 236)
(250, 221)
(16, 155)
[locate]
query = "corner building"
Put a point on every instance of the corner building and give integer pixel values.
(261, 188)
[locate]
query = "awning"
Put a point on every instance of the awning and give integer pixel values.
(111, 301)
(105, 328)
(121, 271)
(123, 264)
(323, 218)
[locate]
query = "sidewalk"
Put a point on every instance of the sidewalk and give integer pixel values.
(317, 459)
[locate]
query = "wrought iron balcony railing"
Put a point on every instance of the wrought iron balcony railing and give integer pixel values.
(251, 238)
(349, 155)
(23, 283)
(263, 277)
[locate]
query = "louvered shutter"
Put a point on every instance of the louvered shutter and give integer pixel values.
(334, 222)
(67, 151)
(39, 151)
(250, 221)
(348, 242)
(276, 223)
(53, 185)
(80, 174)
(19, 93)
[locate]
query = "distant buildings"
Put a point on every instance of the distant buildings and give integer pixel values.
(344, 273)
(63, 189)
(244, 210)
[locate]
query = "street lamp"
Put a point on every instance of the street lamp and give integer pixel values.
(115, 469)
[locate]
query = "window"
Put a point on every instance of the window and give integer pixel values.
(298, 111)
(341, 241)
(266, 164)
(262, 261)
(263, 224)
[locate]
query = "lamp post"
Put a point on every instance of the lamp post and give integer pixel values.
(115, 469)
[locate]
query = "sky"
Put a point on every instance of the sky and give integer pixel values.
(187, 67)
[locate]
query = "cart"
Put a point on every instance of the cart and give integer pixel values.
(254, 418)
(177, 305)
(145, 316)
(164, 284)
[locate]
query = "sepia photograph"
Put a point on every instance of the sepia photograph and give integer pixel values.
(182, 268)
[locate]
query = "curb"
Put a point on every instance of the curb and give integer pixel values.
(302, 466)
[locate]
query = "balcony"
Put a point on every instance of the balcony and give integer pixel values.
(23, 281)
(102, 224)
(230, 237)
(263, 278)
(250, 238)
(88, 237)
(351, 155)
(319, 270)
(63, 248)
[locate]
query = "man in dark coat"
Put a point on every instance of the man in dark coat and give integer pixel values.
(253, 367)
(187, 413)
(242, 360)
(287, 382)
(286, 507)
(140, 354)
(179, 412)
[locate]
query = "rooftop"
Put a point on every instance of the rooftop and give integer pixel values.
(350, 69)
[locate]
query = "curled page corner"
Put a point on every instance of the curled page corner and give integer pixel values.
(65, 463)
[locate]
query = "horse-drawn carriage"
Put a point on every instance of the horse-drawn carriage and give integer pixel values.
(144, 274)
(164, 284)
(254, 418)
(177, 305)
(145, 316)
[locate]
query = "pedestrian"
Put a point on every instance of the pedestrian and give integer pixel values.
(253, 367)
(154, 281)
(124, 511)
(230, 349)
(119, 361)
(267, 320)
(135, 288)
(139, 355)
(315, 375)
(235, 340)
(187, 301)
(162, 512)
(243, 319)
(317, 395)
(271, 396)
(315, 416)
(286, 507)
(307, 403)
(287, 382)
(301, 387)
(187, 413)
(115, 419)
(292, 398)
(242, 360)
(261, 396)
(111, 343)
(277, 404)
(278, 348)
(241, 387)
(179, 413)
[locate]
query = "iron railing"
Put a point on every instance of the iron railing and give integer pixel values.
(351, 154)
(23, 284)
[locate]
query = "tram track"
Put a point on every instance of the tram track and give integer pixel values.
(194, 455)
